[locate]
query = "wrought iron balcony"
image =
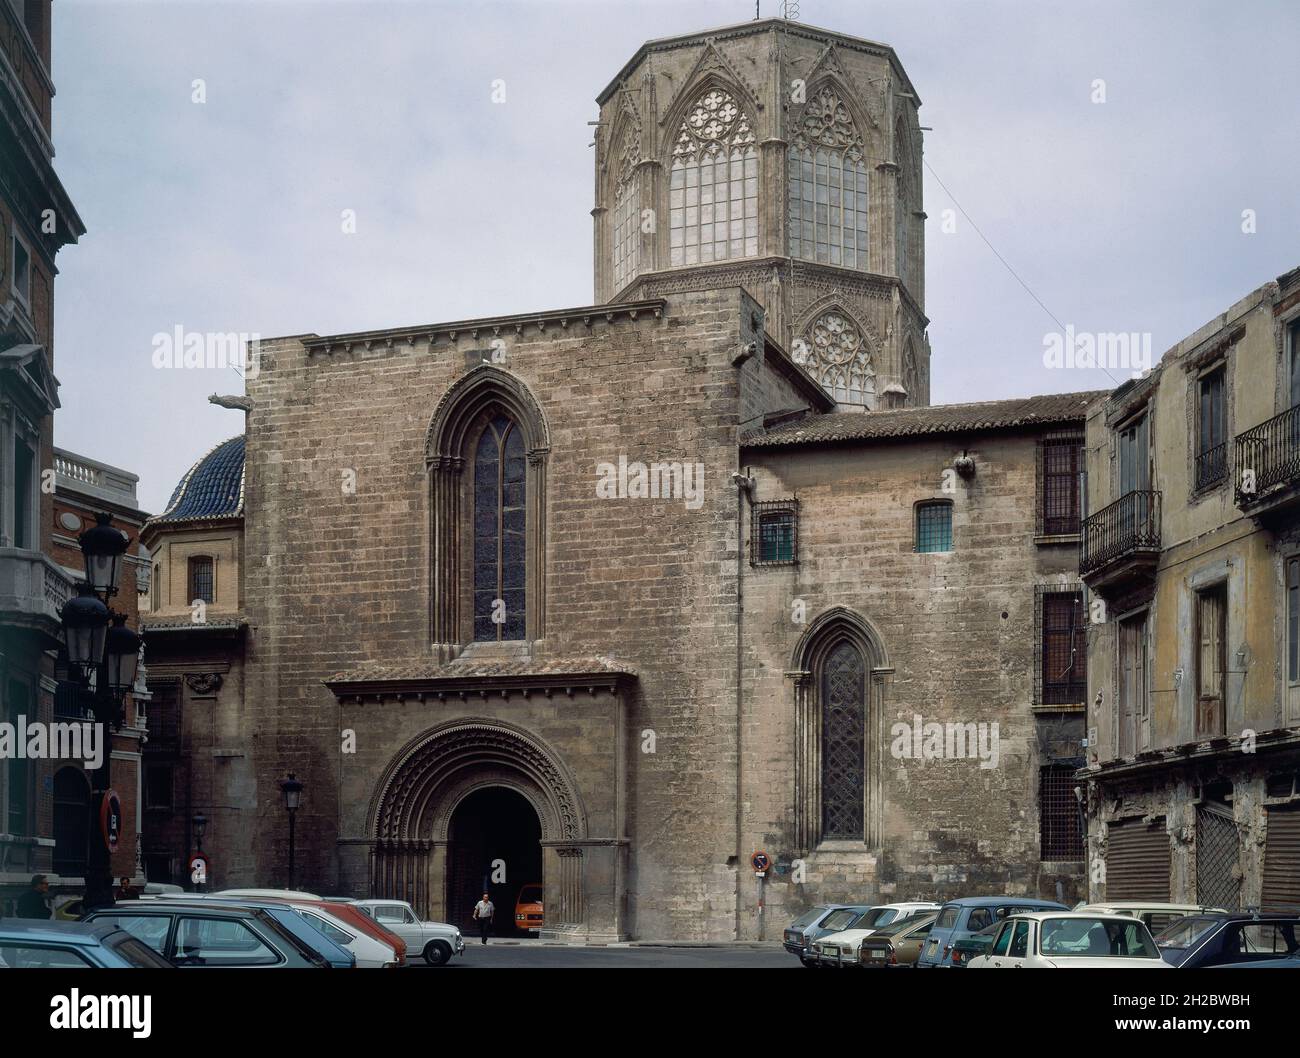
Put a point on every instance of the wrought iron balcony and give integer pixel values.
(1268, 464)
(1212, 466)
(1121, 541)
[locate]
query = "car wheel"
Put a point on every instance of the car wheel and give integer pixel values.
(437, 952)
(808, 963)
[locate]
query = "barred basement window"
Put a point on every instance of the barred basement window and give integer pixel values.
(201, 579)
(713, 184)
(934, 526)
(1059, 834)
(775, 534)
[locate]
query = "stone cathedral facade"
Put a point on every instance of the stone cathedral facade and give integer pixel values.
(612, 597)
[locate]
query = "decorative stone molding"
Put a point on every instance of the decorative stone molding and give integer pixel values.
(203, 683)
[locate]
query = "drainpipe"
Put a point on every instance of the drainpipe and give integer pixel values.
(744, 490)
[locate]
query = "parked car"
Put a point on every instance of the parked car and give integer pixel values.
(816, 922)
(1071, 940)
(436, 941)
(35, 944)
(528, 908)
(1287, 962)
(840, 949)
(897, 944)
(211, 936)
(964, 917)
(329, 943)
(964, 949)
(344, 907)
(1156, 915)
(1229, 938)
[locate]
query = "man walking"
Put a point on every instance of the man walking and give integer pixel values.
(33, 904)
(484, 912)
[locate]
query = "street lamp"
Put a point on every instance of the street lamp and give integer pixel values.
(102, 546)
(85, 628)
(104, 658)
(291, 788)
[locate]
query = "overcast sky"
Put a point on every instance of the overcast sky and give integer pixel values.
(225, 216)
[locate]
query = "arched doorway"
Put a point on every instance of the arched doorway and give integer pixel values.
(470, 791)
(494, 846)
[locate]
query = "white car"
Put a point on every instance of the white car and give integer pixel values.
(1071, 940)
(841, 949)
(436, 941)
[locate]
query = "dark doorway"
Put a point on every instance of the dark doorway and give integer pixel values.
(492, 824)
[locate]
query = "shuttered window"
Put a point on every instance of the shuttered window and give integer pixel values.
(1211, 615)
(1137, 861)
(1282, 858)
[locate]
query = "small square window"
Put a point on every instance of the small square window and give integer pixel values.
(775, 540)
(934, 526)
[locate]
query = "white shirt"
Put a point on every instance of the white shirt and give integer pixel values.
(484, 909)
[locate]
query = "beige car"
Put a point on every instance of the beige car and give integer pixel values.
(898, 944)
(1155, 914)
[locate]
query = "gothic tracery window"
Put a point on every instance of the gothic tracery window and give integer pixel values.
(838, 355)
(500, 471)
(627, 211)
(713, 185)
(828, 184)
(843, 743)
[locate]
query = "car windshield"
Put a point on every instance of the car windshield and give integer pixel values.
(947, 917)
(1096, 937)
(808, 918)
(841, 919)
(1185, 932)
(531, 895)
(877, 916)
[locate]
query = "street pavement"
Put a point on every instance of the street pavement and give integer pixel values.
(502, 954)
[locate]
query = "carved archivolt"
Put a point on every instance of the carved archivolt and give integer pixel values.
(414, 799)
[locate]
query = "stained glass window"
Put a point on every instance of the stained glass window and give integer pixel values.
(843, 707)
(499, 532)
(713, 184)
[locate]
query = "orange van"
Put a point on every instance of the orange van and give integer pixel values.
(528, 908)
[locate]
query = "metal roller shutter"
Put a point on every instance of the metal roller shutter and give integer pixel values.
(1282, 858)
(1137, 861)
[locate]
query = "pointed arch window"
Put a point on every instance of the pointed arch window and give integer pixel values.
(627, 210)
(843, 690)
(500, 524)
(838, 355)
(713, 184)
(828, 184)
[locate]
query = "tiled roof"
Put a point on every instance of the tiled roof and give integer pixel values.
(468, 668)
(212, 488)
(1051, 408)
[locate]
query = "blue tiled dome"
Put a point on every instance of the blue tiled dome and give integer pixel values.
(213, 487)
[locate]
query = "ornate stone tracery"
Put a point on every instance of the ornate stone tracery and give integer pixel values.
(713, 125)
(837, 355)
(827, 122)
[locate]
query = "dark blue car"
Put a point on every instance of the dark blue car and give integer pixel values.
(959, 919)
(1230, 939)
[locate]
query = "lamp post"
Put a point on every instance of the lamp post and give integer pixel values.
(291, 788)
(102, 654)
